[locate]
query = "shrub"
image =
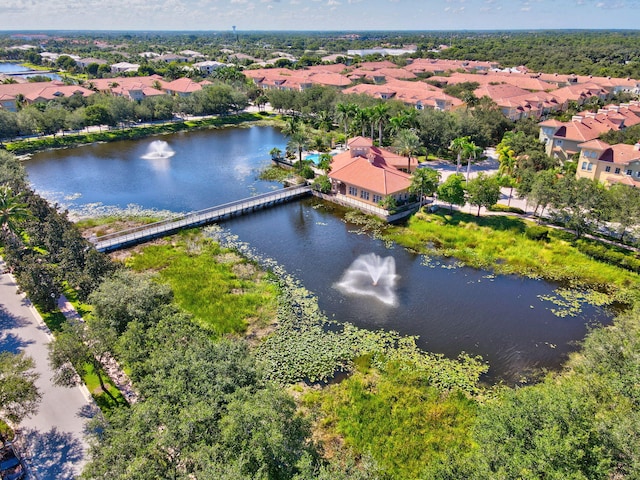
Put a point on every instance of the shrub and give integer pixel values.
(537, 233)
(609, 255)
(504, 208)
(322, 184)
(307, 172)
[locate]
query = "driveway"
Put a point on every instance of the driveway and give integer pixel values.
(488, 166)
(53, 440)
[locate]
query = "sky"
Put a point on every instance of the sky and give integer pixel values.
(351, 15)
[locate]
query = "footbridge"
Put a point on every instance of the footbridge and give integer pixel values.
(127, 238)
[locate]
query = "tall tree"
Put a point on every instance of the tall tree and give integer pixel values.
(361, 118)
(543, 189)
(407, 142)
(459, 146)
(79, 344)
(472, 151)
(625, 208)
(451, 191)
(576, 202)
(346, 113)
(19, 396)
(379, 116)
(12, 210)
(424, 181)
(483, 191)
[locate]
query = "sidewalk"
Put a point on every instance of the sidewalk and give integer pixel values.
(53, 440)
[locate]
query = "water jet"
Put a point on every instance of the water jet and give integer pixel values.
(158, 149)
(371, 275)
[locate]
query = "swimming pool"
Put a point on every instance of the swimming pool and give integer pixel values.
(314, 157)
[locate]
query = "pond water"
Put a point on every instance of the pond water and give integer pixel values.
(452, 309)
(12, 68)
(17, 68)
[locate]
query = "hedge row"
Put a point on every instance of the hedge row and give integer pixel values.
(628, 261)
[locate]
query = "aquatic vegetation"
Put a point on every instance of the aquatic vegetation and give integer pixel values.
(306, 346)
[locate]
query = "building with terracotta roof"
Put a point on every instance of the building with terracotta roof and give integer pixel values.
(51, 92)
(183, 87)
(494, 78)
(368, 174)
(380, 75)
(439, 66)
(562, 139)
(580, 93)
(37, 92)
(609, 164)
(134, 88)
(298, 80)
(419, 95)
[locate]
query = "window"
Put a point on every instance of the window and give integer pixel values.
(353, 191)
(364, 195)
(638, 174)
(607, 169)
(590, 167)
(559, 143)
(617, 171)
(377, 198)
(629, 172)
(584, 165)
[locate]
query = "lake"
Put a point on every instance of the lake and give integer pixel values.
(451, 308)
(16, 68)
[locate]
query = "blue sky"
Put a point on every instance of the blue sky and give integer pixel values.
(317, 14)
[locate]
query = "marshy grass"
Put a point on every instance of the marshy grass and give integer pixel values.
(499, 244)
(223, 291)
(393, 415)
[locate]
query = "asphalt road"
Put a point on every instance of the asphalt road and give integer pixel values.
(53, 440)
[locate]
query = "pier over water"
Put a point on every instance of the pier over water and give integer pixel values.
(134, 236)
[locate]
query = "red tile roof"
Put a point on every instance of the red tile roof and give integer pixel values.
(374, 171)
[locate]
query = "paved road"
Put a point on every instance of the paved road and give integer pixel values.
(54, 438)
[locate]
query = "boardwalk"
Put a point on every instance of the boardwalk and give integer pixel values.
(127, 238)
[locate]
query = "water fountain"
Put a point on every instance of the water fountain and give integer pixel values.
(158, 149)
(371, 275)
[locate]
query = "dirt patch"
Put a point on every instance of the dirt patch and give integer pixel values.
(257, 331)
(111, 227)
(126, 253)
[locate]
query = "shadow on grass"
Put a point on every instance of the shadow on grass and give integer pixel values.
(495, 222)
(53, 320)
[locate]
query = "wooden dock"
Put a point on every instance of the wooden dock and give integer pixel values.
(134, 236)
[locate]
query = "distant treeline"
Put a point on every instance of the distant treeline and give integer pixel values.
(583, 52)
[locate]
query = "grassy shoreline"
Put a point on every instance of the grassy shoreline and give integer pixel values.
(500, 244)
(22, 147)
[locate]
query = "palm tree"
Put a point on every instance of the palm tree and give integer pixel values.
(361, 117)
(379, 115)
(459, 146)
(424, 181)
(346, 113)
(407, 142)
(293, 126)
(298, 142)
(403, 120)
(473, 151)
(12, 210)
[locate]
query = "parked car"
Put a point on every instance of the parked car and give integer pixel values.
(11, 466)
